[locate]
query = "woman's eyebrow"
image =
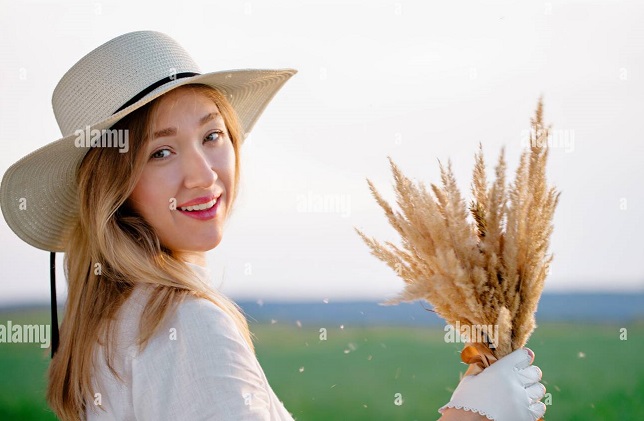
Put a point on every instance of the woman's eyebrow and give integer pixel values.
(171, 131)
(208, 117)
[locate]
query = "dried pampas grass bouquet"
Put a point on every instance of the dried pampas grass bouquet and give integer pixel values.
(482, 267)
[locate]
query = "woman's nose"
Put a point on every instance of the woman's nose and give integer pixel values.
(197, 169)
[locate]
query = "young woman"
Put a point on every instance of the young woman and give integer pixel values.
(145, 335)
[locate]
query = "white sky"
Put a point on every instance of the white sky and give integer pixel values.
(410, 79)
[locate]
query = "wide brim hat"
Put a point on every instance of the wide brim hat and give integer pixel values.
(38, 194)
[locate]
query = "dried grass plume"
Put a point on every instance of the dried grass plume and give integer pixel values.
(479, 264)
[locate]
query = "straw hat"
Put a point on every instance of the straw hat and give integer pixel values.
(38, 194)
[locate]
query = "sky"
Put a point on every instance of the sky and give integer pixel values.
(414, 80)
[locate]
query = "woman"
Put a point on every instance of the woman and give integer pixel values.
(145, 335)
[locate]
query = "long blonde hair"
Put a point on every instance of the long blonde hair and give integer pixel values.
(112, 249)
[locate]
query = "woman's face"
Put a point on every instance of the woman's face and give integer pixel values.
(190, 161)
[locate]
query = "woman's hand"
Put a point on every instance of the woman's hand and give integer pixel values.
(508, 390)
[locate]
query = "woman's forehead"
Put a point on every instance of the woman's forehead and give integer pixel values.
(187, 104)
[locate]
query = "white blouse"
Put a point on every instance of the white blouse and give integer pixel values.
(197, 366)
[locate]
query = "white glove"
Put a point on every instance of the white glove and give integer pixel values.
(508, 390)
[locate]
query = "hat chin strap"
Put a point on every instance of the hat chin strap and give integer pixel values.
(54, 306)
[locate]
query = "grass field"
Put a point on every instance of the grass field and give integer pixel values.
(356, 373)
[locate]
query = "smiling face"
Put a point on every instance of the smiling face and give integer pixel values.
(190, 163)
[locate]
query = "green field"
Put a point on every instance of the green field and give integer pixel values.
(356, 373)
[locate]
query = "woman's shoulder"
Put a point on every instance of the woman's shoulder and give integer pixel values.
(193, 309)
(203, 315)
(190, 309)
(198, 323)
(198, 365)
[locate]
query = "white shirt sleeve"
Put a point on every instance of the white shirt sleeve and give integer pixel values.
(198, 367)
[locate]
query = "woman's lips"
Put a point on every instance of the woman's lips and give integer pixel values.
(203, 215)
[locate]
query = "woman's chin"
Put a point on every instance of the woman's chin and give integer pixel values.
(205, 244)
(196, 243)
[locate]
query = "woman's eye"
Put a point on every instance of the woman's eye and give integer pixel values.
(159, 154)
(216, 132)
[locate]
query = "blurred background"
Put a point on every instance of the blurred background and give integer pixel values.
(413, 80)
